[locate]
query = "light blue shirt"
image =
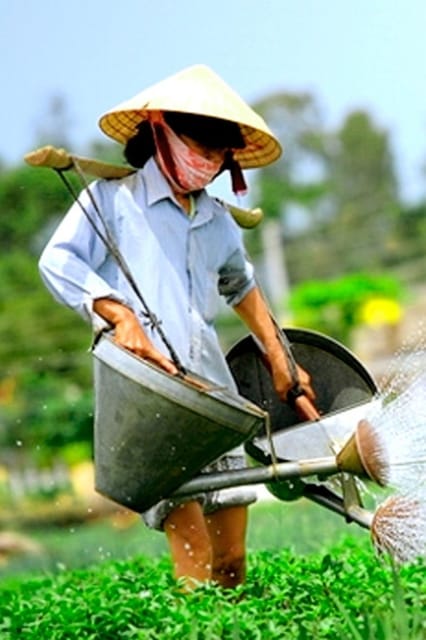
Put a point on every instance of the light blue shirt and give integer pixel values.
(181, 264)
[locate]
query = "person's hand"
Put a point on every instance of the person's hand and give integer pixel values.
(281, 376)
(255, 313)
(284, 383)
(303, 400)
(129, 334)
(305, 383)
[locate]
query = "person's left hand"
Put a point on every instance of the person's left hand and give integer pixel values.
(282, 378)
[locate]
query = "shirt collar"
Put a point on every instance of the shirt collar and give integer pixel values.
(157, 188)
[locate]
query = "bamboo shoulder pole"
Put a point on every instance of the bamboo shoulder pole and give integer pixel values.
(62, 160)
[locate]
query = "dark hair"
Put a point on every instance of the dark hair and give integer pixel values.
(141, 147)
(214, 133)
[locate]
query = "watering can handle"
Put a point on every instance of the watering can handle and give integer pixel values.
(304, 407)
(296, 397)
(298, 400)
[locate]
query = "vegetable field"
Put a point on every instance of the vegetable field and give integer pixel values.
(345, 593)
(339, 590)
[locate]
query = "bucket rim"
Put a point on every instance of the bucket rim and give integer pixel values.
(178, 388)
(310, 337)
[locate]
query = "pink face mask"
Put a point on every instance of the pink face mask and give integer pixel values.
(184, 168)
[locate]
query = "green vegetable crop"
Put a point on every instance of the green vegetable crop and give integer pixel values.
(342, 594)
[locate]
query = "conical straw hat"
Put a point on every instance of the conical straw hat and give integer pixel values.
(197, 90)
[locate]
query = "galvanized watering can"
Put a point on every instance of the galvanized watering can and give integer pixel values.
(154, 433)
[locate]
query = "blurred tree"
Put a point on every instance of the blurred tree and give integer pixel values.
(298, 176)
(31, 200)
(43, 346)
(335, 192)
(408, 243)
(363, 200)
(289, 189)
(49, 412)
(33, 329)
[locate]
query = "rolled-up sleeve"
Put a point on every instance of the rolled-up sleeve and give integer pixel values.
(236, 278)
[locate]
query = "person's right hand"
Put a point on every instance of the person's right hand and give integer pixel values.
(129, 334)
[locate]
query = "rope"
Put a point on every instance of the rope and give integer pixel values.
(269, 436)
(108, 239)
(296, 389)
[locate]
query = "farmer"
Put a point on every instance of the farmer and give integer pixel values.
(184, 250)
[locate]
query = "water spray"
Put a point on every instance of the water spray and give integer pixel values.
(389, 446)
(398, 527)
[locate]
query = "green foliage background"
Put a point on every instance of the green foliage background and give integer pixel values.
(43, 346)
(334, 307)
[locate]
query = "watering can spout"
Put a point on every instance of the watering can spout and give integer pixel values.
(361, 454)
(349, 460)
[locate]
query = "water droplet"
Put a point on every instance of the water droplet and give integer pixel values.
(19, 443)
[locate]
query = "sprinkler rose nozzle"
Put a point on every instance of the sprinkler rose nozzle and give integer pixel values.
(362, 455)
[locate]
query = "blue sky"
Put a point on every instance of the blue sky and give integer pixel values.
(351, 54)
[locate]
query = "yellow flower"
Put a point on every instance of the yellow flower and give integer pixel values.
(381, 311)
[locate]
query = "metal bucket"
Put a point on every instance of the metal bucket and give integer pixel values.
(153, 431)
(339, 379)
